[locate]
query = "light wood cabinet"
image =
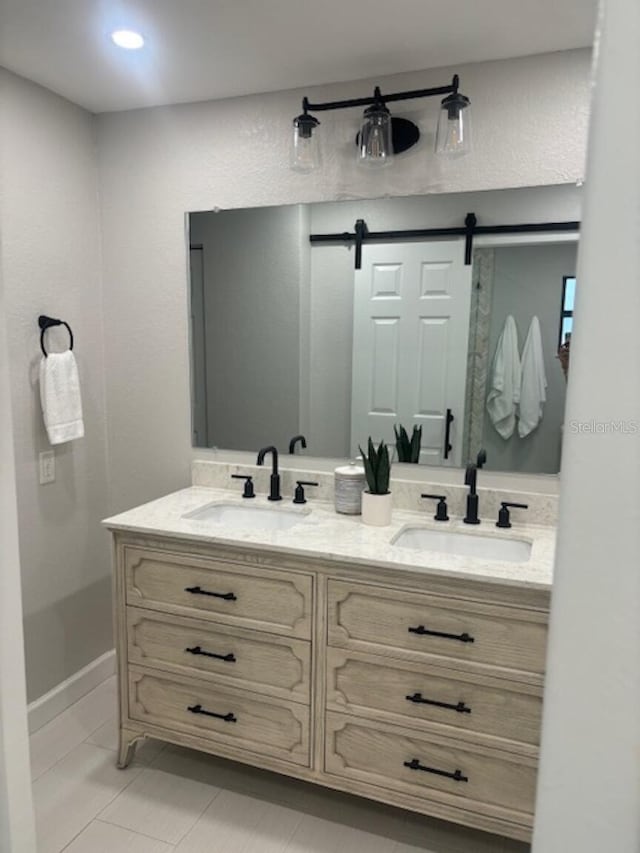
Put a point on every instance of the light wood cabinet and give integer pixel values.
(417, 690)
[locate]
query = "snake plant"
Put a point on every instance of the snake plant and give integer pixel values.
(377, 467)
(408, 449)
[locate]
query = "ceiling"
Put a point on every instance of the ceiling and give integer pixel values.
(203, 49)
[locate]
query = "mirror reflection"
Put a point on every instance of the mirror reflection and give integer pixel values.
(438, 357)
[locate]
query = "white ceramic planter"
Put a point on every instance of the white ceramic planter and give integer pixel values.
(376, 509)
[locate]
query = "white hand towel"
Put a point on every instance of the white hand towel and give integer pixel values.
(60, 397)
(504, 390)
(533, 394)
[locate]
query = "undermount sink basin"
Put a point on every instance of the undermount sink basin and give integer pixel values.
(241, 517)
(463, 544)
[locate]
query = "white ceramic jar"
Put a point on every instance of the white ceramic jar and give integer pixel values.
(349, 482)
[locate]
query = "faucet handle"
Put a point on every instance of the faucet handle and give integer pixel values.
(504, 519)
(441, 509)
(299, 497)
(248, 484)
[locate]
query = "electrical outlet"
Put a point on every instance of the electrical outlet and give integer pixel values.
(47, 467)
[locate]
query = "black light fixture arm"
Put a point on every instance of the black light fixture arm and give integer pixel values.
(378, 97)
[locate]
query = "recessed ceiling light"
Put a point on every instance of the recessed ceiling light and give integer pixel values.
(129, 39)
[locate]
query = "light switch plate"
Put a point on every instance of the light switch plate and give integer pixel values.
(47, 461)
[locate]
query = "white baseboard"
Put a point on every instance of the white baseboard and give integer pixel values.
(65, 694)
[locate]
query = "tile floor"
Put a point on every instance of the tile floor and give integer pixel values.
(174, 800)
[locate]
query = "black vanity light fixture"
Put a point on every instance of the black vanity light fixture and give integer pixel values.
(381, 134)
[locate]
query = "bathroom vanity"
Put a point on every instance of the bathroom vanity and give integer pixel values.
(319, 649)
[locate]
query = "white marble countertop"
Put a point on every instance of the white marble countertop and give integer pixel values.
(324, 533)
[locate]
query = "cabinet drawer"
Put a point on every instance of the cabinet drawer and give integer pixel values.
(262, 599)
(395, 622)
(420, 694)
(259, 662)
(423, 765)
(232, 717)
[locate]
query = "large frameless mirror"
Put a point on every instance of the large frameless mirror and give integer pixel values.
(289, 337)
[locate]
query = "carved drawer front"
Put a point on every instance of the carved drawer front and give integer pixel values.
(232, 717)
(487, 781)
(395, 622)
(419, 695)
(264, 663)
(263, 599)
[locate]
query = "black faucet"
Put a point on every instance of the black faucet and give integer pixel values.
(294, 441)
(470, 479)
(274, 492)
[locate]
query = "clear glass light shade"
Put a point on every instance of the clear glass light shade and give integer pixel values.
(375, 145)
(453, 137)
(305, 155)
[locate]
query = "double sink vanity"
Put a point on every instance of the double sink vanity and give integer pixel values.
(404, 664)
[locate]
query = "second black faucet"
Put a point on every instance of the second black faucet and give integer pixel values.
(274, 490)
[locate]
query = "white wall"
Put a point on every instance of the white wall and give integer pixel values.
(51, 264)
(16, 811)
(530, 129)
(589, 780)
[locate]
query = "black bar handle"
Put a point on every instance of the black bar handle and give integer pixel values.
(196, 650)
(462, 638)
(457, 776)
(418, 698)
(448, 447)
(196, 590)
(198, 709)
(470, 223)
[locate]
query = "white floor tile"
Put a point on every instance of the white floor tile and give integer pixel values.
(55, 740)
(234, 823)
(101, 837)
(234, 776)
(161, 805)
(107, 737)
(322, 836)
(70, 795)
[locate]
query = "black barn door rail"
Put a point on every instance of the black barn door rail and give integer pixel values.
(469, 230)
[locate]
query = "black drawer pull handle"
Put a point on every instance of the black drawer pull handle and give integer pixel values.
(418, 698)
(196, 590)
(196, 650)
(463, 638)
(198, 709)
(457, 776)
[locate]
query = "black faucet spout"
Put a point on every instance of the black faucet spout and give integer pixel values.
(294, 441)
(471, 479)
(274, 490)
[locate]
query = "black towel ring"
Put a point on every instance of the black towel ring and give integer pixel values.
(46, 323)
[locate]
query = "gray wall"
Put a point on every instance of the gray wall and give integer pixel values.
(16, 809)
(254, 261)
(51, 264)
(528, 281)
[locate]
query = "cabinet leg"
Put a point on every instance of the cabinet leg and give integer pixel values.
(127, 747)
